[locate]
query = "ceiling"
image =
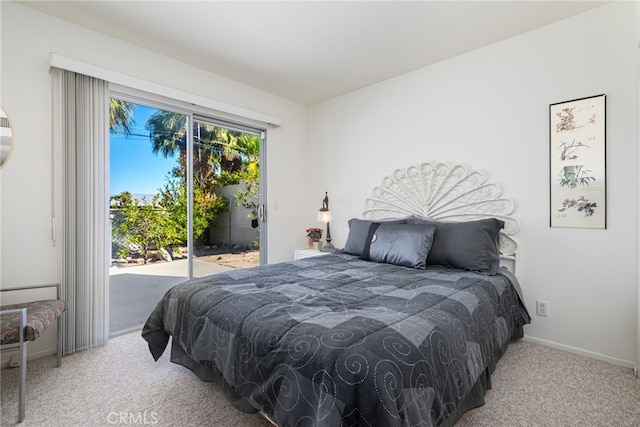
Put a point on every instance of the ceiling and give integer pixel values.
(310, 51)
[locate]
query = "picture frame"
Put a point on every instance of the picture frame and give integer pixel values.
(577, 147)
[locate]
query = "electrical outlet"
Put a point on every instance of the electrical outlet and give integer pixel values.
(542, 308)
(14, 362)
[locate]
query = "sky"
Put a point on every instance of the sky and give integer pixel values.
(133, 166)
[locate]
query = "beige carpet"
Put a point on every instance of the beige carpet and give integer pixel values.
(120, 384)
(117, 384)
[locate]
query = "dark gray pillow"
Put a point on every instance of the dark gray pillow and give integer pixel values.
(400, 244)
(470, 245)
(358, 231)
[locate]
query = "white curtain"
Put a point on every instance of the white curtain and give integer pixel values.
(80, 122)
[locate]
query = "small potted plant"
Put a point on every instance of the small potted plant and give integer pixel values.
(314, 235)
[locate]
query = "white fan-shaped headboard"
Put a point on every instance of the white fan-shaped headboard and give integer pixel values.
(444, 192)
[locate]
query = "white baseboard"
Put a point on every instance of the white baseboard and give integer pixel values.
(582, 352)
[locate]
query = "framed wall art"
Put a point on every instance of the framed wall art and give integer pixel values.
(578, 163)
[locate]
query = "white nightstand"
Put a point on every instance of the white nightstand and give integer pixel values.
(307, 252)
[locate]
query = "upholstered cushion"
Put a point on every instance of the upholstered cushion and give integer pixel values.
(400, 244)
(471, 245)
(358, 231)
(40, 314)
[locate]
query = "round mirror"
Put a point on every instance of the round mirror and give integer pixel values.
(6, 138)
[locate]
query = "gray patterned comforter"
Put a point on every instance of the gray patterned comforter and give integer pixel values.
(335, 340)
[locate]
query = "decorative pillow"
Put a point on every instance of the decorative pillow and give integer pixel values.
(471, 245)
(400, 244)
(358, 231)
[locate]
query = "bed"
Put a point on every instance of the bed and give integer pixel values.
(403, 326)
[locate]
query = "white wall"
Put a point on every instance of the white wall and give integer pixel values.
(28, 37)
(489, 110)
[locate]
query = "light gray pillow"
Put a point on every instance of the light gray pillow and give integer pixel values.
(358, 231)
(400, 244)
(470, 245)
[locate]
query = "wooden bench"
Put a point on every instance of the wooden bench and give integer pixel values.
(24, 322)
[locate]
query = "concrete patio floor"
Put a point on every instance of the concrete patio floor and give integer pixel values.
(135, 291)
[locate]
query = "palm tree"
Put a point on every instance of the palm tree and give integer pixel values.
(168, 132)
(120, 116)
(213, 146)
(249, 146)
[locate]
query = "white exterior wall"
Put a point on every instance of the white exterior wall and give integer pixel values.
(489, 109)
(233, 227)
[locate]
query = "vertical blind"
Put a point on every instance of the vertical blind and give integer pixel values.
(80, 105)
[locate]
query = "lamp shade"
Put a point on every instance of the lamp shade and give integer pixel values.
(324, 215)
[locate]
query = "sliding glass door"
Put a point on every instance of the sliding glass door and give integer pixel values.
(185, 201)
